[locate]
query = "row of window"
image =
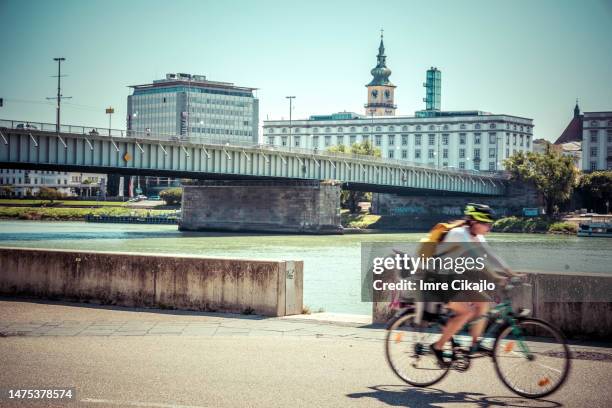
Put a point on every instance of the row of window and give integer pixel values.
(595, 136)
(431, 139)
(595, 123)
(18, 180)
(393, 129)
(13, 171)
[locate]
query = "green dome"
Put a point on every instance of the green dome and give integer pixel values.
(381, 73)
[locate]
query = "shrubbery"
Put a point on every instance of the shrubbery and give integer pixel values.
(172, 196)
(535, 224)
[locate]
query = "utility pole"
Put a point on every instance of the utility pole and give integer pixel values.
(109, 111)
(59, 96)
(291, 98)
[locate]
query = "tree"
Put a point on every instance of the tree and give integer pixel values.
(172, 196)
(6, 191)
(348, 198)
(553, 175)
(49, 193)
(596, 190)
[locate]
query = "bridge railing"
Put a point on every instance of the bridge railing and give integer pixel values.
(229, 141)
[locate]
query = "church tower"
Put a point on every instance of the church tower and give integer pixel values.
(380, 89)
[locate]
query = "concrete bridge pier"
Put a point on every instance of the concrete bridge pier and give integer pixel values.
(289, 206)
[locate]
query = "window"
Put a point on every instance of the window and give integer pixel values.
(315, 142)
(327, 140)
(340, 139)
(609, 136)
(445, 139)
(528, 141)
(593, 165)
(594, 123)
(522, 140)
(296, 142)
(461, 153)
(340, 130)
(353, 139)
(391, 128)
(492, 126)
(491, 152)
(514, 139)
(507, 153)
(462, 126)
(445, 164)
(352, 128)
(391, 140)
(284, 141)
(404, 140)
(432, 139)
(378, 128)
(462, 165)
(417, 140)
(445, 127)
(378, 140)
(284, 130)
(365, 129)
(418, 127)
(477, 126)
(593, 136)
(507, 138)
(327, 130)
(476, 153)
(476, 165)
(391, 154)
(430, 154)
(477, 138)
(431, 127)
(462, 138)
(271, 130)
(315, 130)
(405, 128)
(404, 154)
(297, 130)
(491, 166)
(417, 154)
(445, 154)
(271, 140)
(492, 138)
(593, 152)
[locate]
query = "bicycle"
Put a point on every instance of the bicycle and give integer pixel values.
(531, 357)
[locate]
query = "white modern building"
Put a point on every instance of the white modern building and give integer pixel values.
(596, 141)
(25, 183)
(471, 140)
(190, 106)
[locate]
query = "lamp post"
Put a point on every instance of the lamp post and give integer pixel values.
(109, 111)
(291, 98)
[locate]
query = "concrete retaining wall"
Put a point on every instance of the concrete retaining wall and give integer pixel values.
(580, 304)
(137, 280)
(266, 206)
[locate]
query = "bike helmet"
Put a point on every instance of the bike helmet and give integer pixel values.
(479, 212)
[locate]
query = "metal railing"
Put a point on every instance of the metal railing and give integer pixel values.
(229, 141)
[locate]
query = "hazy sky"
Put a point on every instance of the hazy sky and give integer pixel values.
(524, 58)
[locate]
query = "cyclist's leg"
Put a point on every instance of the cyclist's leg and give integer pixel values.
(480, 309)
(463, 314)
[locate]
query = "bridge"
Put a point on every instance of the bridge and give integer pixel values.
(80, 148)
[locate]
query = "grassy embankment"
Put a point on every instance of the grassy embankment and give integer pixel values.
(67, 203)
(534, 225)
(71, 214)
(359, 221)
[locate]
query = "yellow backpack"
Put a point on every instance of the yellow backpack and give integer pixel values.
(428, 245)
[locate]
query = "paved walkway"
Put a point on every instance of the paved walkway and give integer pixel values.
(117, 357)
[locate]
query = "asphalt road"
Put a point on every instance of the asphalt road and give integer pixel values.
(244, 363)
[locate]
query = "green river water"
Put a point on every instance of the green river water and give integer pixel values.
(332, 277)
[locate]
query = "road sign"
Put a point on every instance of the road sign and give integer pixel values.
(110, 110)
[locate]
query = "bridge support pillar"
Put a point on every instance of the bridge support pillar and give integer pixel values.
(308, 207)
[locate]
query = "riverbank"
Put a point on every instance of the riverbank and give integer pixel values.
(536, 225)
(73, 214)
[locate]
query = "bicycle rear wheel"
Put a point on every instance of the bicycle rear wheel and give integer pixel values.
(531, 358)
(408, 354)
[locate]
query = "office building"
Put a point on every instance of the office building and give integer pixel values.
(186, 106)
(27, 183)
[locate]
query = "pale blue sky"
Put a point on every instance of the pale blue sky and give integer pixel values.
(524, 58)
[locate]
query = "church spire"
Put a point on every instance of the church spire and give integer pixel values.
(381, 73)
(576, 109)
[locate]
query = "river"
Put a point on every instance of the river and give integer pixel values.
(332, 277)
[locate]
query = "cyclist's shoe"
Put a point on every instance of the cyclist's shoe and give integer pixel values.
(439, 356)
(476, 349)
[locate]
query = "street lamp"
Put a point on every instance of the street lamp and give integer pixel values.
(291, 98)
(110, 110)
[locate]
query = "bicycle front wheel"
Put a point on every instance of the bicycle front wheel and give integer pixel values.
(531, 358)
(408, 354)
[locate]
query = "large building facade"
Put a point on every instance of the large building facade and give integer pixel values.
(191, 107)
(27, 183)
(471, 140)
(597, 141)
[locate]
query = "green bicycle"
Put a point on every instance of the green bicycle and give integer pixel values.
(531, 357)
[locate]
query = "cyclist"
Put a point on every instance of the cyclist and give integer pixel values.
(478, 220)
